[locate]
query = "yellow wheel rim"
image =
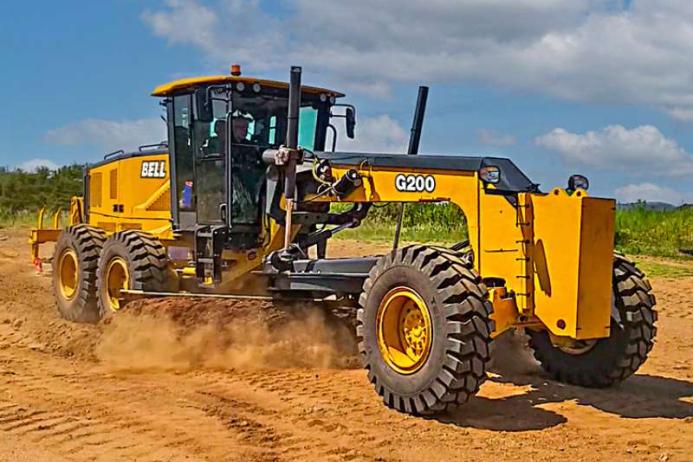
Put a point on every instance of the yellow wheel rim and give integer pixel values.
(404, 333)
(69, 274)
(117, 279)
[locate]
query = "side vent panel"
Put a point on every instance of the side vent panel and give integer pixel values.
(113, 183)
(162, 203)
(95, 190)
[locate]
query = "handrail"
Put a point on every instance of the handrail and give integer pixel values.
(114, 153)
(145, 147)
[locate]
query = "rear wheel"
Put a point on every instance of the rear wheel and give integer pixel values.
(74, 272)
(604, 362)
(424, 329)
(131, 260)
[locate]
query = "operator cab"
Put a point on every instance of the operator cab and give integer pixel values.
(218, 128)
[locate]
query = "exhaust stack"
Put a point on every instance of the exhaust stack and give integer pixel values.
(291, 149)
(413, 149)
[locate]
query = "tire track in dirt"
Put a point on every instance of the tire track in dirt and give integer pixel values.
(77, 413)
(287, 432)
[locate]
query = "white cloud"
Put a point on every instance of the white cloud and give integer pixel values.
(186, 22)
(232, 31)
(641, 150)
(33, 165)
(110, 134)
(375, 134)
(494, 138)
(648, 192)
(596, 50)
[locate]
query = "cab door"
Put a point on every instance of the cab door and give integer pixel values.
(209, 142)
(182, 162)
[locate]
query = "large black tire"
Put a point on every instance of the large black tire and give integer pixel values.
(145, 260)
(457, 302)
(77, 252)
(609, 360)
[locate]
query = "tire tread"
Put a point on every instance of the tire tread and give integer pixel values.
(464, 300)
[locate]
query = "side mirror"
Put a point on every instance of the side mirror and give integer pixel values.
(203, 105)
(350, 122)
(578, 181)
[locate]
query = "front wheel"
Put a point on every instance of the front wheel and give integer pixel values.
(604, 362)
(424, 329)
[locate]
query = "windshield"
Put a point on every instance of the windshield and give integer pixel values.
(258, 120)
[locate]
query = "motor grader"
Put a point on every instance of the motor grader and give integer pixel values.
(239, 202)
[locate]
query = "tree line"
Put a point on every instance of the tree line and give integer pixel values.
(22, 191)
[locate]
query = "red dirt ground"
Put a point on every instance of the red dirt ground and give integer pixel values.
(231, 381)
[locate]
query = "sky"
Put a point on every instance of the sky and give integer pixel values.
(602, 88)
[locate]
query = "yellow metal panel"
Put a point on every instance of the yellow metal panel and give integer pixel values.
(39, 236)
(134, 195)
(571, 253)
(505, 314)
(76, 210)
(502, 249)
(596, 267)
(107, 226)
(556, 260)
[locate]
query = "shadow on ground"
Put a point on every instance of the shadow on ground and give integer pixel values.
(640, 396)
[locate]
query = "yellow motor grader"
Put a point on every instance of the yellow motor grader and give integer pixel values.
(238, 203)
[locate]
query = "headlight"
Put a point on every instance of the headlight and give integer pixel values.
(490, 174)
(578, 181)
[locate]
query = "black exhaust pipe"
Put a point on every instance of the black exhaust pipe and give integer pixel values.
(413, 149)
(417, 124)
(294, 105)
(291, 146)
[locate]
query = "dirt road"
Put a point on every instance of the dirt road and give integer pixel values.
(144, 388)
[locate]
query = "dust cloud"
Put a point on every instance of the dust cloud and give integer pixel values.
(226, 335)
(182, 334)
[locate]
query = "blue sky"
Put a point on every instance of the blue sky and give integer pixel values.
(603, 88)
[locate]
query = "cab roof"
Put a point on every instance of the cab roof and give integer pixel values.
(173, 87)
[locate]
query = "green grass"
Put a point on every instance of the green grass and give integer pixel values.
(22, 219)
(638, 231)
(653, 232)
(665, 269)
(440, 223)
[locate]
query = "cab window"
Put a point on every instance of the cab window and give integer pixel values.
(183, 155)
(307, 121)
